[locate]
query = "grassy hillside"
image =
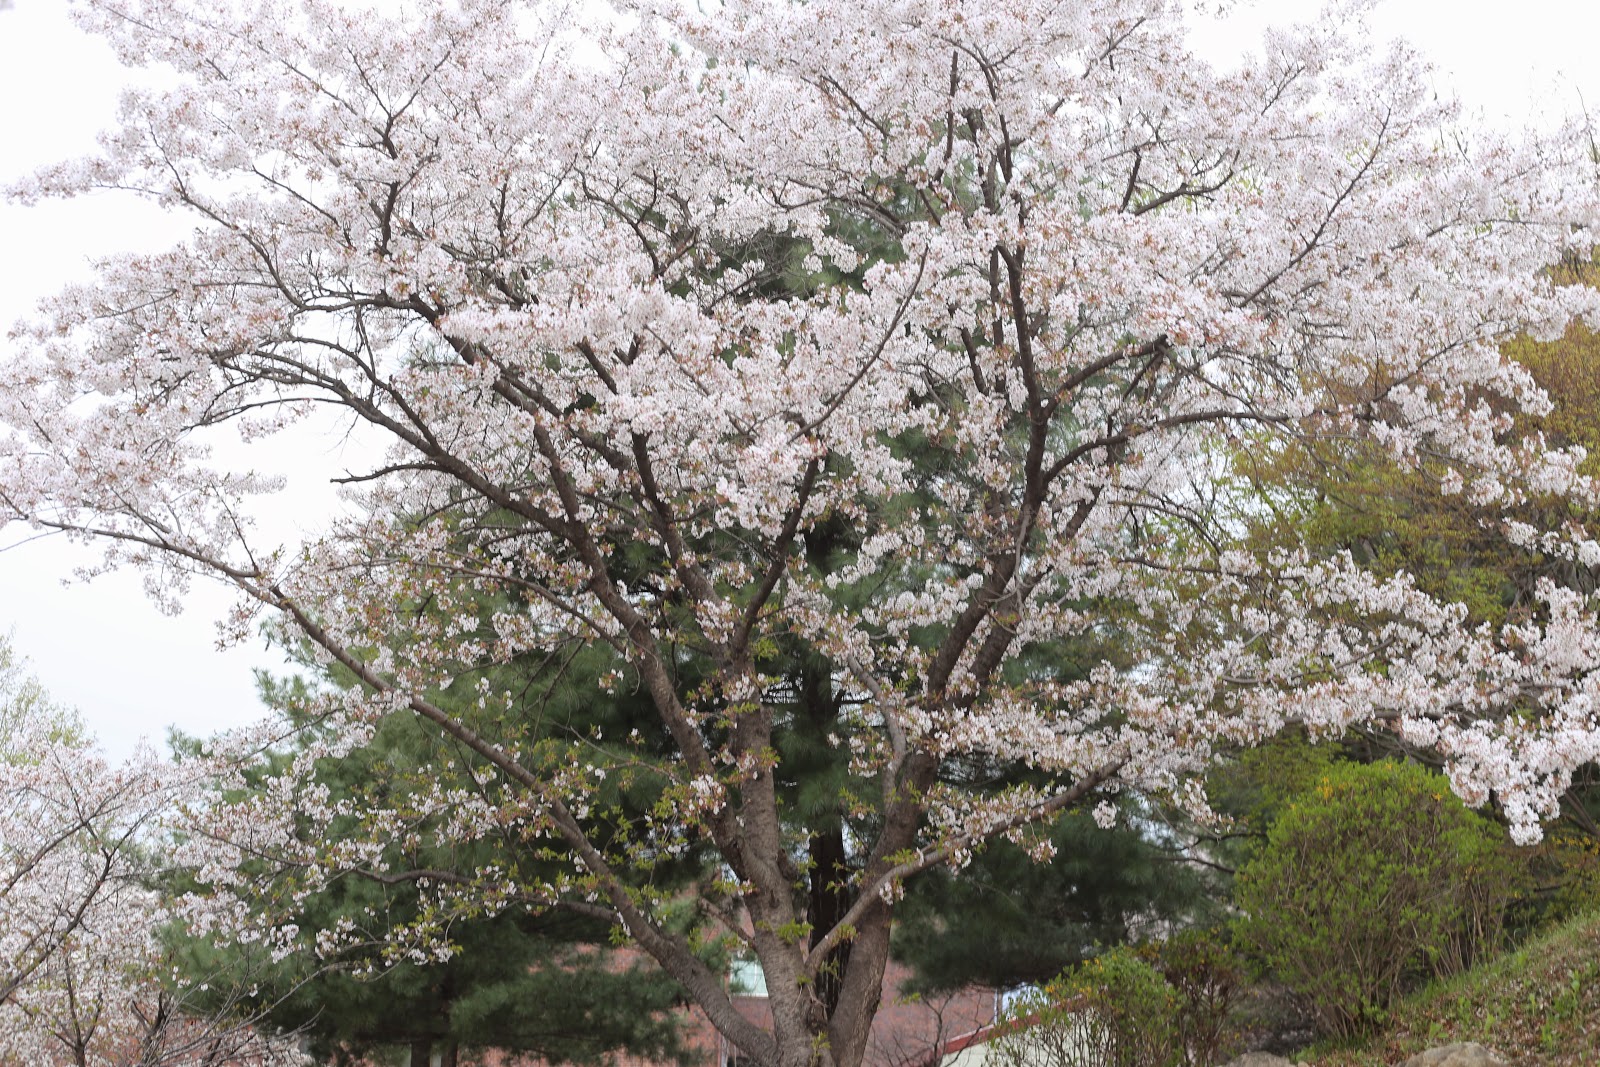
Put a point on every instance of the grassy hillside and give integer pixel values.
(1538, 1006)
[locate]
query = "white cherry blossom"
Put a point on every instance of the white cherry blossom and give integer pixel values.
(928, 340)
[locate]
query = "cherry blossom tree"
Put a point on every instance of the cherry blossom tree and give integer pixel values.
(69, 894)
(825, 368)
(81, 960)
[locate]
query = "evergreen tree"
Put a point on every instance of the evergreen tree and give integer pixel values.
(537, 981)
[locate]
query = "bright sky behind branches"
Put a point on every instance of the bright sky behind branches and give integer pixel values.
(133, 672)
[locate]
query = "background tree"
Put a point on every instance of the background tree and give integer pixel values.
(542, 984)
(511, 983)
(1410, 516)
(1006, 920)
(1076, 267)
(84, 979)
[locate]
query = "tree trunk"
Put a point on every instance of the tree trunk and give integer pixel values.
(830, 899)
(830, 895)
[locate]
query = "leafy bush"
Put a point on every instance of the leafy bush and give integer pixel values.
(1565, 867)
(1161, 1006)
(1126, 1023)
(1205, 974)
(1375, 877)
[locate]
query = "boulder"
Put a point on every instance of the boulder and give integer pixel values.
(1258, 1059)
(1461, 1054)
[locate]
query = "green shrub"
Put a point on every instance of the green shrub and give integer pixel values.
(1115, 1010)
(1205, 974)
(1566, 868)
(1163, 1005)
(1374, 878)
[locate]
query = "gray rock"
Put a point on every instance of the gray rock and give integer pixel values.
(1461, 1054)
(1258, 1059)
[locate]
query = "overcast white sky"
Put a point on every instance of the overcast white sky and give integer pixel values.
(133, 672)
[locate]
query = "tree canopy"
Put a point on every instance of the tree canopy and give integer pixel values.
(821, 370)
